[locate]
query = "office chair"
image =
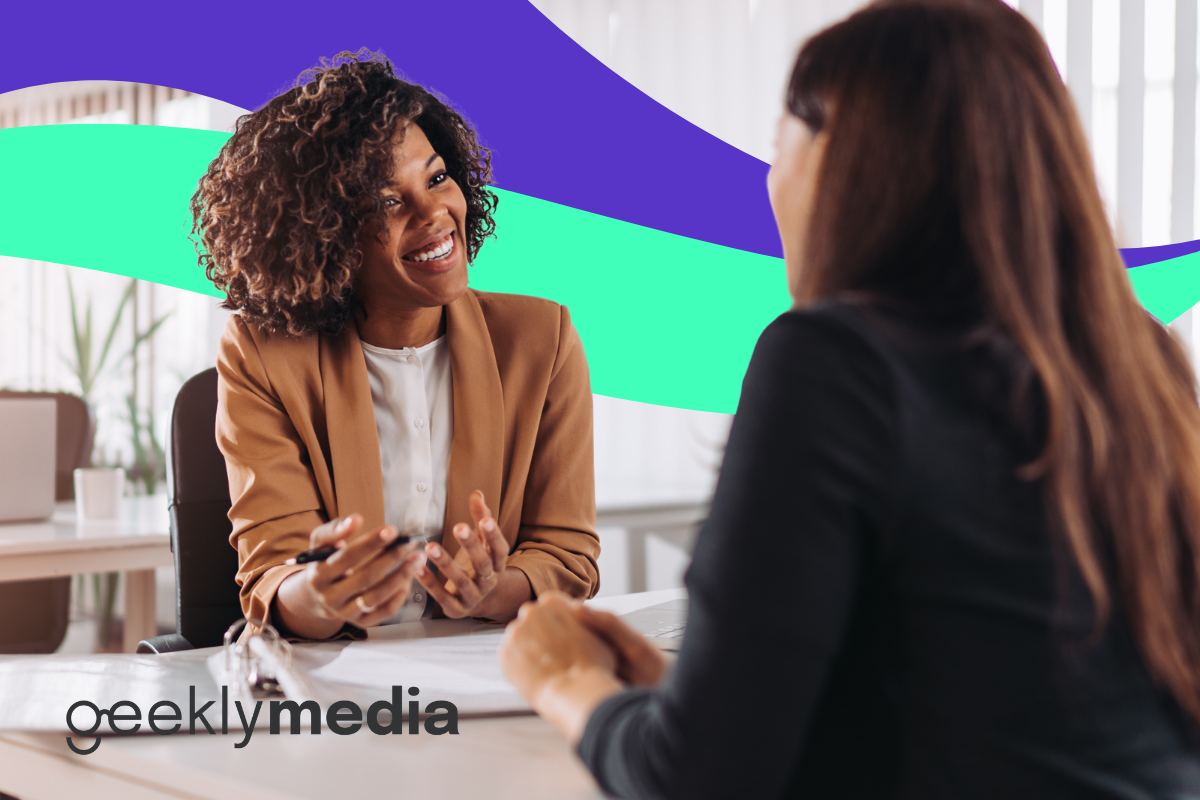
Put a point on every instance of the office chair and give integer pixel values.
(206, 596)
(36, 612)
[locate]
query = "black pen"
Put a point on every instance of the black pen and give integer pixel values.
(325, 551)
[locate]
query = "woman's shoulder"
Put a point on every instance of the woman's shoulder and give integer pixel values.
(519, 309)
(826, 350)
(524, 318)
(830, 330)
(242, 338)
(528, 330)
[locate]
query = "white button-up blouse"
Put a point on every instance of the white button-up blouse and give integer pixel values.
(414, 417)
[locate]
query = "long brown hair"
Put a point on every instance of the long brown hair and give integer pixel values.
(957, 178)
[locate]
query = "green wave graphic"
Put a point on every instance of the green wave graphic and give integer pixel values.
(112, 198)
(1168, 288)
(664, 319)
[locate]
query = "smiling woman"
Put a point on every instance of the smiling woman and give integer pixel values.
(367, 398)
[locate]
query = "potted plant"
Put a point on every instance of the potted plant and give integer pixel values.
(88, 365)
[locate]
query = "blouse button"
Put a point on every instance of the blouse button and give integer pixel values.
(421, 486)
(412, 359)
(418, 422)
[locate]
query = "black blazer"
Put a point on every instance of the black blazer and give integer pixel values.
(875, 608)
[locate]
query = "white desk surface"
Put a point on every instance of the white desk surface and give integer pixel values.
(140, 539)
(135, 543)
(517, 757)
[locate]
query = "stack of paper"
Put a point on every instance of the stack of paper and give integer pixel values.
(462, 669)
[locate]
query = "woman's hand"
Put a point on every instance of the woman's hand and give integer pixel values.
(638, 662)
(479, 582)
(558, 664)
(363, 583)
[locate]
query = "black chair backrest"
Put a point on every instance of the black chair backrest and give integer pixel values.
(75, 434)
(206, 595)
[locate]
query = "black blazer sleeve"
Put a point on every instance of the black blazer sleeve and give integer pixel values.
(803, 498)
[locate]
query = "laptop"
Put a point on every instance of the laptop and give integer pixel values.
(662, 624)
(28, 446)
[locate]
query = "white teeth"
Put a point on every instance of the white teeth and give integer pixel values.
(433, 255)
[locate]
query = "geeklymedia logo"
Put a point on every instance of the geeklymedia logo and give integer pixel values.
(342, 718)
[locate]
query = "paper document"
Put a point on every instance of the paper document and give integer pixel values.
(450, 667)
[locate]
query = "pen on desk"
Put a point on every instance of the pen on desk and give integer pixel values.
(325, 551)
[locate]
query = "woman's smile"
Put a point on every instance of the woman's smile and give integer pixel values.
(436, 254)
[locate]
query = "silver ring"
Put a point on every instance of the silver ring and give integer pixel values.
(363, 607)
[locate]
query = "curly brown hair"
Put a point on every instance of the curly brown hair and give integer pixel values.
(279, 211)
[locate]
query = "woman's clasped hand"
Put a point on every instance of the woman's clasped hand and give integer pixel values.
(566, 658)
(366, 580)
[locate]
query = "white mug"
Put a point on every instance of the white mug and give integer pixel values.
(98, 493)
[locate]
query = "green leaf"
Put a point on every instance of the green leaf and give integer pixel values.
(112, 330)
(142, 337)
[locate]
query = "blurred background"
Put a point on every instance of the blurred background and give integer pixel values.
(127, 346)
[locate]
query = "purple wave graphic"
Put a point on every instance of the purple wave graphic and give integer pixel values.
(561, 125)
(1140, 256)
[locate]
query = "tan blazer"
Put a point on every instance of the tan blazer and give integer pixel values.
(297, 427)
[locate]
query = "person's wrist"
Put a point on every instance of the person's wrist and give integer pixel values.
(567, 699)
(298, 605)
(511, 592)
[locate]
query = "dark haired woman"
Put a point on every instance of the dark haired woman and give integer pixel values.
(962, 491)
(365, 392)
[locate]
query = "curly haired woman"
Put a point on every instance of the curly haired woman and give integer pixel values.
(365, 392)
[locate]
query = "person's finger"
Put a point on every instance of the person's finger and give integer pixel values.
(334, 594)
(641, 663)
(386, 597)
(556, 601)
(612, 627)
(512, 632)
(553, 620)
(450, 603)
(548, 612)
(391, 608)
(383, 612)
(478, 506)
(366, 577)
(472, 544)
(334, 600)
(398, 582)
(353, 612)
(525, 608)
(497, 545)
(559, 610)
(357, 549)
(317, 593)
(356, 554)
(468, 590)
(335, 530)
(510, 645)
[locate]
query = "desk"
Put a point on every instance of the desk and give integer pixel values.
(517, 757)
(675, 522)
(135, 544)
(671, 511)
